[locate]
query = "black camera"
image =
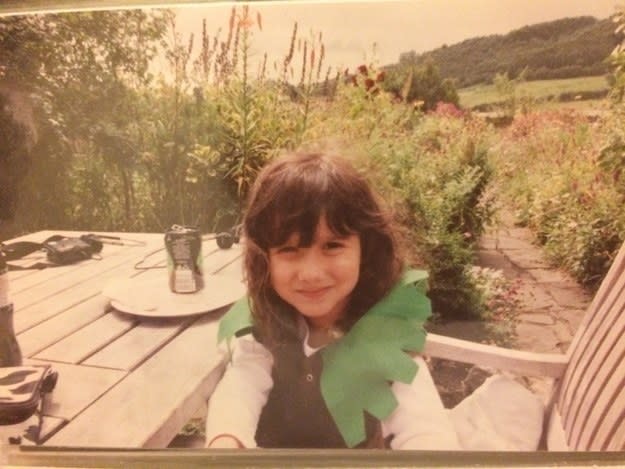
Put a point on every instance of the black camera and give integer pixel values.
(62, 250)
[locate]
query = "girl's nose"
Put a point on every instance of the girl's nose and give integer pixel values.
(310, 267)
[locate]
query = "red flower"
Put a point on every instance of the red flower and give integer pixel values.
(369, 83)
(362, 69)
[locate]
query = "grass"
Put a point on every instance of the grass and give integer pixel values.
(538, 89)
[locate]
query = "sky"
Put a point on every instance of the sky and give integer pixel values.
(350, 29)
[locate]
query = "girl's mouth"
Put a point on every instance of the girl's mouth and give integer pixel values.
(313, 293)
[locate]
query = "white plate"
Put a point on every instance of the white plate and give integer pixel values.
(149, 295)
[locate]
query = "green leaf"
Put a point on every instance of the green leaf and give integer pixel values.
(237, 318)
(358, 370)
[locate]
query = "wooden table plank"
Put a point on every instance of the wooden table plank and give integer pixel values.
(88, 340)
(94, 337)
(107, 250)
(58, 327)
(32, 237)
(96, 273)
(49, 426)
(58, 279)
(24, 286)
(218, 259)
(131, 349)
(30, 316)
(64, 323)
(234, 269)
(150, 406)
(77, 387)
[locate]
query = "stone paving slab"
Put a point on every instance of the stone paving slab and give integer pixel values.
(535, 297)
(506, 241)
(528, 258)
(569, 297)
(496, 260)
(536, 338)
(536, 318)
(570, 316)
(489, 242)
(553, 276)
(563, 333)
(551, 302)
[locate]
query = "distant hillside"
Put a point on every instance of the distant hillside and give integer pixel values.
(570, 47)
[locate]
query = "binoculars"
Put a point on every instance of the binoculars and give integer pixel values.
(226, 239)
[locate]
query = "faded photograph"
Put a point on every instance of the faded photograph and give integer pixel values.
(378, 225)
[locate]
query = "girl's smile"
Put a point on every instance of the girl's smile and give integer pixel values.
(317, 280)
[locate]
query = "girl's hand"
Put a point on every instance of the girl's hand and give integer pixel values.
(225, 441)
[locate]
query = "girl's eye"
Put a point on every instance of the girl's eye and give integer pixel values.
(286, 249)
(331, 245)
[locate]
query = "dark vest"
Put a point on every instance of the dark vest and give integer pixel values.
(296, 415)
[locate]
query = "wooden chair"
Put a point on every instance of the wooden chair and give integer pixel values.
(586, 411)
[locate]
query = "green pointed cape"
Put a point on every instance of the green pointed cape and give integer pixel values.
(358, 369)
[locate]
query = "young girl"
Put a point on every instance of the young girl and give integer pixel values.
(330, 314)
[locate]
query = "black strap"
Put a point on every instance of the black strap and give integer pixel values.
(19, 249)
(35, 266)
(62, 250)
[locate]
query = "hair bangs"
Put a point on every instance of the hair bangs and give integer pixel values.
(297, 204)
(302, 222)
(340, 216)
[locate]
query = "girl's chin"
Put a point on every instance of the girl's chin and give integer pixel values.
(320, 318)
(314, 316)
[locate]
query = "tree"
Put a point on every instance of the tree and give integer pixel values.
(82, 71)
(414, 83)
(17, 136)
(618, 60)
(507, 89)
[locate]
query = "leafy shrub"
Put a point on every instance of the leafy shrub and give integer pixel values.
(500, 300)
(434, 169)
(445, 192)
(563, 179)
(421, 83)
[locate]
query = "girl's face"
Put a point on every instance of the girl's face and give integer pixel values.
(317, 280)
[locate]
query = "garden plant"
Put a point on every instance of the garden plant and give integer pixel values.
(124, 148)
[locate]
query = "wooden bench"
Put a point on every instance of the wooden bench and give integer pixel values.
(586, 410)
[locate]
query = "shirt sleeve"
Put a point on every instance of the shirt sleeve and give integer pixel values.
(235, 405)
(420, 421)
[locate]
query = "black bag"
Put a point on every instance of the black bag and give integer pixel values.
(63, 251)
(21, 389)
(60, 250)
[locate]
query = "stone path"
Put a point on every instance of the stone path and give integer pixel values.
(552, 303)
(551, 306)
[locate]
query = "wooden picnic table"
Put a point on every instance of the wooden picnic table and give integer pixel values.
(125, 381)
(129, 382)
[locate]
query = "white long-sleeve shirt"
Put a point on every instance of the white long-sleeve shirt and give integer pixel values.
(418, 422)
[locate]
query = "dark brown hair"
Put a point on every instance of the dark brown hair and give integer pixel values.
(289, 196)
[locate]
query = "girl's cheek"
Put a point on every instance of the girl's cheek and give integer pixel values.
(279, 269)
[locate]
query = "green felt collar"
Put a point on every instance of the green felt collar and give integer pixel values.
(359, 368)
